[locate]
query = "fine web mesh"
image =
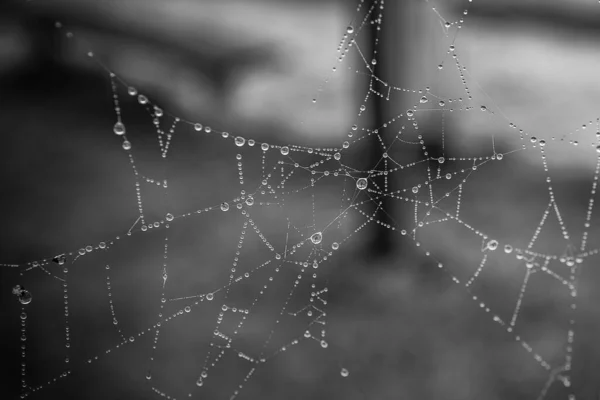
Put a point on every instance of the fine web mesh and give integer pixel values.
(190, 308)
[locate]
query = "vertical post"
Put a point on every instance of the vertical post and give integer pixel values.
(393, 67)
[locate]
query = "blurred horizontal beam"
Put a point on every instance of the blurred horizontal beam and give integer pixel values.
(562, 16)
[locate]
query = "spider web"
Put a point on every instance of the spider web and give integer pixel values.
(224, 310)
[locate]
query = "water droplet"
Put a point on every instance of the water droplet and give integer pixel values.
(210, 296)
(23, 315)
(142, 99)
(225, 135)
(25, 297)
(344, 372)
(533, 139)
(423, 100)
(361, 183)
(60, 259)
(335, 245)
(499, 156)
(198, 127)
(350, 29)
(169, 217)
(148, 375)
(131, 339)
(337, 156)
(119, 128)
(492, 245)
(316, 237)
(410, 113)
(448, 176)
(199, 382)
(102, 245)
(374, 61)
(285, 150)
(224, 206)
(542, 142)
(132, 91)
(529, 265)
(442, 103)
(415, 189)
(483, 108)
(264, 146)
(597, 149)
(324, 344)
(441, 160)
(207, 129)
(17, 289)
(126, 145)
(250, 200)
(345, 145)
(240, 141)
(508, 248)
(188, 308)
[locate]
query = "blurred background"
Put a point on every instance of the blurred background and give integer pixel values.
(398, 324)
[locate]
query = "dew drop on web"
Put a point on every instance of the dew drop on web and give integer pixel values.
(119, 128)
(240, 141)
(361, 183)
(316, 237)
(25, 297)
